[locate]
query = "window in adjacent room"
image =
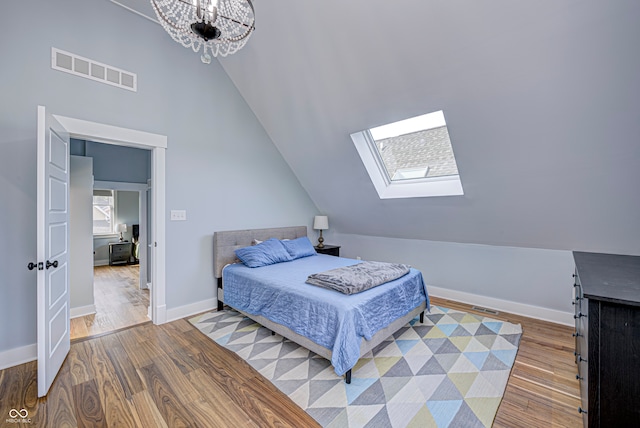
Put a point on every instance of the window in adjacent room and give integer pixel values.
(410, 158)
(103, 212)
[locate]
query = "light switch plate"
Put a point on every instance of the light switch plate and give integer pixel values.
(178, 215)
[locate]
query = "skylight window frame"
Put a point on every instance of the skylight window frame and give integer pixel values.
(449, 185)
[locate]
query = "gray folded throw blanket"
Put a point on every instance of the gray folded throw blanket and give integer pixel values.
(359, 277)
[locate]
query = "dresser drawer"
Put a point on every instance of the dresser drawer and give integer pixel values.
(119, 252)
(581, 317)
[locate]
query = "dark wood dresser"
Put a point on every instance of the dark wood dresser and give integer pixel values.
(607, 314)
(119, 253)
(332, 250)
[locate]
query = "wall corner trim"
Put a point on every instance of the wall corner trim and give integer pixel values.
(161, 315)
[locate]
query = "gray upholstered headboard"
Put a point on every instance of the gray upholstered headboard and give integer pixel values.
(226, 242)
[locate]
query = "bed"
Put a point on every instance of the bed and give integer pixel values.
(338, 327)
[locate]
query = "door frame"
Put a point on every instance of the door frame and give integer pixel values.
(157, 144)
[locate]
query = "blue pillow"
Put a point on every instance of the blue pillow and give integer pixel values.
(298, 248)
(266, 253)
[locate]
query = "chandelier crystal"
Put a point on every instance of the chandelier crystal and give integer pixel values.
(220, 27)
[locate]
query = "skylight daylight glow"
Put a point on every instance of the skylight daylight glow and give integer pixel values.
(410, 158)
(408, 126)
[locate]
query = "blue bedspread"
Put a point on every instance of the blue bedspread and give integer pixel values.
(331, 319)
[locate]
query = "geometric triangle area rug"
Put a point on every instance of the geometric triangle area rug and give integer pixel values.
(450, 371)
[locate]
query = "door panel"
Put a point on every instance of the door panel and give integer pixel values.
(58, 281)
(53, 248)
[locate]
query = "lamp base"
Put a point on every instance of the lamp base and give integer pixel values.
(320, 240)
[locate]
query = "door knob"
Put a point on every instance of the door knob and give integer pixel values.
(32, 266)
(54, 264)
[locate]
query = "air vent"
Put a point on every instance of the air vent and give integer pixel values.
(487, 310)
(90, 69)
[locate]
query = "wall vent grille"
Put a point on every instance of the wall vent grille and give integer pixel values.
(90, 69)
(486, 310)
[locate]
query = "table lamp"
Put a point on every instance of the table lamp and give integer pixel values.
(321, 222)
(121, 228)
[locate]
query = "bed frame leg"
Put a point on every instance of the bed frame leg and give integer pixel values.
(220, 303)
(422, 317)
(347, 377)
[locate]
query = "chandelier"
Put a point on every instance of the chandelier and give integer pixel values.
(220, 27)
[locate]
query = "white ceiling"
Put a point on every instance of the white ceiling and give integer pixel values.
(542, 101)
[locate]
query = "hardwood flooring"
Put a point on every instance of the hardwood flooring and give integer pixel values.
(119, 302)
(172, 375)
(542, 390)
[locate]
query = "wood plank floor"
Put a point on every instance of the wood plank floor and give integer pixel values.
(542, 390)
(119, 301)
(172, 375)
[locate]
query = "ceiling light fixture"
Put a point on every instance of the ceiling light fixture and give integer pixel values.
(221, 27)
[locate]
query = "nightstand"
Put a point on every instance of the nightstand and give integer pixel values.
(119, 252)
(332, 250)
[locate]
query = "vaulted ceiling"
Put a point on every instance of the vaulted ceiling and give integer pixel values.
(542, 101)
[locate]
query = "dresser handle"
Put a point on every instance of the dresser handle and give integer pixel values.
(576, 334)
(581, 410)
(578, 377)
(580, 314)
(576, 285)
(580, 359)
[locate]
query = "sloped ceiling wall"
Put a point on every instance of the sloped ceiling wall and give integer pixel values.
(542, 100)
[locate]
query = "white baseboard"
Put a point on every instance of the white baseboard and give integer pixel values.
(161, 315)
(82, 311)
(537, 312)
(101, 262)
(17, 356)
(191, 309)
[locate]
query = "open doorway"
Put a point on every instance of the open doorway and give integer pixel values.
(156, 144)
(121, 288)
(110, 190)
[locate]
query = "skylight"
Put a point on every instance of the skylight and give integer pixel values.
(410, 158)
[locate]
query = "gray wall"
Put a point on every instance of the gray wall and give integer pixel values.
(542, 101)
(80, 232)
(510, 276)
(115, 163)
(220, 164)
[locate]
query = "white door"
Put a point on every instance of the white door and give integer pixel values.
(53, 248)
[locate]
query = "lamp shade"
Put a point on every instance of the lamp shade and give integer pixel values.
(321, 222)
(121, 228)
